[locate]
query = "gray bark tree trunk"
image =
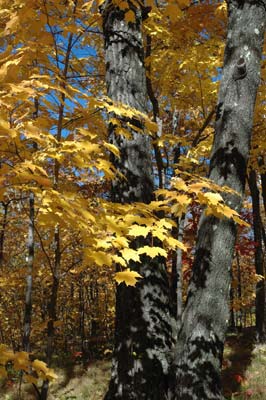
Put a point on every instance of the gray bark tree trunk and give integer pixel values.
(143, 335)
(259, 258)
(201, 338)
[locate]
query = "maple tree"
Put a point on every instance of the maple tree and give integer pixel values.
(79, 205)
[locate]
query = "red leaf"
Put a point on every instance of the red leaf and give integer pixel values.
(238, 378)
(77, 354)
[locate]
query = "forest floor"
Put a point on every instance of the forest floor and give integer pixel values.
(244, 367)
(244, 375)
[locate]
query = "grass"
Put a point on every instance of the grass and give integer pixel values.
(244, 372)
(73, 383)
(244, 375)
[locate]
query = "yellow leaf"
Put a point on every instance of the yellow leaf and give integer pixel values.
(98, 257)
(51, 375)
(173, 12)
(221, 9)
(127, 276)
(240, 221)
(21, 361)
(181, 206)
(151, 126)
(123, 5)
(183, 3)
(196, 187)
(120, 241)
(119, 260)
(152, 251)
(137, 230)
(130, 16)
(40, 366)
(3, 372)
(210, 198)
(227, 211)
(174, 243)
(6, 354)
(31, 379)
(107, 351)
(259, 277)
(113, 149)
(58, 323)
(159, 233)
(179, 184)
(130, 254)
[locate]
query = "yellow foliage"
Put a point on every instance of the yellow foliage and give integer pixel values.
(129, 277)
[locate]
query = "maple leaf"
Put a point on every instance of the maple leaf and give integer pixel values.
(130, 254)
(21, 361)
(127, 276)
(152, 251)
(173, 12)
(179, 184)
(174, 243)
(238, 378)
(51, 375)
(211, 198)
(31, 379)
(3, 372)
(137, 230)
(40, 367)
(130, 16)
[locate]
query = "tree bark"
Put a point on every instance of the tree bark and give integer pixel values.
(142, 327)
(201, 338)
(259, 259)
(29, 279)
(52, 311)
(3, 231)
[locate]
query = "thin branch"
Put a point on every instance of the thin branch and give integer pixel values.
(43, 249)
(196, 140)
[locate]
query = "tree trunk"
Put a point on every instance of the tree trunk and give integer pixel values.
(263, 187)
(204, 322)
(52, 311)
(259, 259)
(239, 319)
(142, 328)
(263, 181)
(3, 231)
(28, 298)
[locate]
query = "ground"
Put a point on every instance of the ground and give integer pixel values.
(244, 367)
(244, 375)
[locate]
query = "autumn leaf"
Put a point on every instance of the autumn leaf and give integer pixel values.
(51, 375)
(130, 254)
(152, 251)
(21, 361)
(127, 276)
(3, 372)
(40, 367)
(113, 149)
(183, 3)
(174, 243)
(211, 198)
(173, 12)
(130, 16)
(31, 379)
(137, 230)
(179, 184)
(238, 378)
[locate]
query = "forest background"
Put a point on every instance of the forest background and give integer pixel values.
(64, 245)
